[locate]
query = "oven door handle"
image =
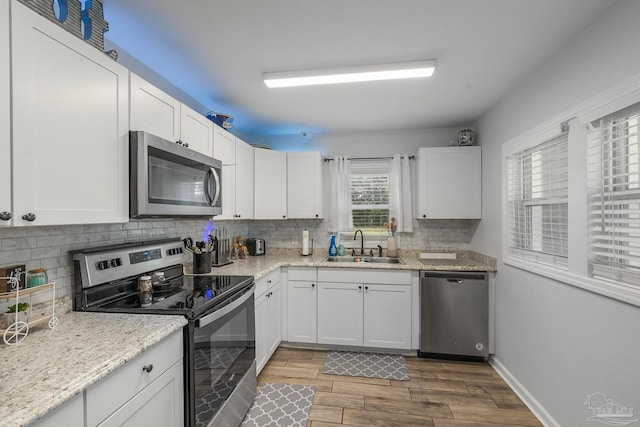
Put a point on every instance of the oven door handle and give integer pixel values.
(215, 315)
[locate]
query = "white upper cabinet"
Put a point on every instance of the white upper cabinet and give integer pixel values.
(304, 185)
(449, 183)
(237, 174)
(196, 130)
(6, 212)
(154, 111)
(244, 180)
(270, 184)
(70, 126)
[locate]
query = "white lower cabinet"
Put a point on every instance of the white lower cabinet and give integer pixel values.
(70, 414)
(370, 308)
(340, 313)
(302, 303)
(268, 312)
(147, 391)
(387, 314)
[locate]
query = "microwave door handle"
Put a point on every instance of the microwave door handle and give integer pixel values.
(212, 317)
(216, 177)
(207, 182)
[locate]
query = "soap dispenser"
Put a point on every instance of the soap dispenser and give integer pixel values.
(333, 250)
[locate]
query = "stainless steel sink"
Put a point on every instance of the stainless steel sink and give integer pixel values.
(370, 259)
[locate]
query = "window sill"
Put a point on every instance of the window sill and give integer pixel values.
(624, 293)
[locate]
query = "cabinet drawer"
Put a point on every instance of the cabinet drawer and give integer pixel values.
(119, 387)
(363, 275)
(267, 281)
(302, 273)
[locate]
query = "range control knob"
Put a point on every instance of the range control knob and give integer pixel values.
(116, 262)
(103, 265)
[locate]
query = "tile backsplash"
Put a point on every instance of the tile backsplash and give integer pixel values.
(50, 247)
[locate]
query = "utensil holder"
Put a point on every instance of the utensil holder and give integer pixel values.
(202, 263)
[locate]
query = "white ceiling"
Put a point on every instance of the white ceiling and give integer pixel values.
(216, 51)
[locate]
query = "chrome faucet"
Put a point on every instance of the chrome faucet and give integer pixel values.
(361, 241)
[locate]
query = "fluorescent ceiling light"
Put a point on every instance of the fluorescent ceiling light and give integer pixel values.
(366, 73)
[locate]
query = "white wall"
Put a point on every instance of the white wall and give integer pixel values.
(365, 144)
(561, 343)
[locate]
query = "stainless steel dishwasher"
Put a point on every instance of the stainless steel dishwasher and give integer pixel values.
(454, 314)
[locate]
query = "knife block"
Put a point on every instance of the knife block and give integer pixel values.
(221, 252)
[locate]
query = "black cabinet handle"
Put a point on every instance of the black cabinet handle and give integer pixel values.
(366, 288)
(317, 216)
(359, 287)
(147, 368)
(5, 216)
(313, 285)
(29, 217)
(424, 216)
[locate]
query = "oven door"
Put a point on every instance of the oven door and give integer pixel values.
(169, 180)
(221, 364)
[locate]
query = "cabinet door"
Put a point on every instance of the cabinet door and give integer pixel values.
(161, 403)
(154, 111)
(450, 183)
(304, 185)
(244, 180)
(387, 316)
(70, 126)
(196, 130)
(340, 313)
(262, 318)
(301, 310)
(5, 119)
(270, 184)
(224, 146)
(228, 192)
(274, 322)
(70, 414)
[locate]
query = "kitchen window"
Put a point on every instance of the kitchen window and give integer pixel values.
(613, 179)
(572, 199)
(537, 194)
(370, 194)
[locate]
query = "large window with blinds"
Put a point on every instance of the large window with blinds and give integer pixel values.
(613, 177)
(370, 194)
(537, 193)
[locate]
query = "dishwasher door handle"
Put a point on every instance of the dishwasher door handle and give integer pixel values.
(458, 281)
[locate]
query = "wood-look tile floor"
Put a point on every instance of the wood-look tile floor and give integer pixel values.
(440, 393)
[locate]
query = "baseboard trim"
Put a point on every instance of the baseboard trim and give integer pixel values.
(527, 398)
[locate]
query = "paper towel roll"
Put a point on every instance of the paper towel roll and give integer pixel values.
(305, 242)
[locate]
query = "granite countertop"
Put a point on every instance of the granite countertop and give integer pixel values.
(259, 266)
(52, 365)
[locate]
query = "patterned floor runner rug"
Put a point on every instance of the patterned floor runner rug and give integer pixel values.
(370, 365)
(280, 405)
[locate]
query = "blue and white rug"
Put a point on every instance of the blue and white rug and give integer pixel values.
(280, 405)
(369, 365)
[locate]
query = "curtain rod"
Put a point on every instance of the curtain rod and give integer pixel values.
(369, 158)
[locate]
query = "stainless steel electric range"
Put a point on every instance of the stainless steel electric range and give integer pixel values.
(219, 339)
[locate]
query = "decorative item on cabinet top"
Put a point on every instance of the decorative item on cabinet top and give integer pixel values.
(466, 137)
(87, 23)
(221, 119)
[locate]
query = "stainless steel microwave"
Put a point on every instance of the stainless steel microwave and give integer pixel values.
(168, 180)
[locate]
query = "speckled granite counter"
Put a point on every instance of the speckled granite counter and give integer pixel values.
(52, 365)
(259, 266)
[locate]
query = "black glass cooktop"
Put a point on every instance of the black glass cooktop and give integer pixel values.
(187, 295)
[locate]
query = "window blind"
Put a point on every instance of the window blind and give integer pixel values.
(613, 180)
(369, 200)
(537, 194)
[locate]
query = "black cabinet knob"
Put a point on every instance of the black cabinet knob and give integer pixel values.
(147, 368)
(5, 216)
(29, 217)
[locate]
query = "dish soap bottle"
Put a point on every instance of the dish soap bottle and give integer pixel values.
(340, 250)
(333, 250)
